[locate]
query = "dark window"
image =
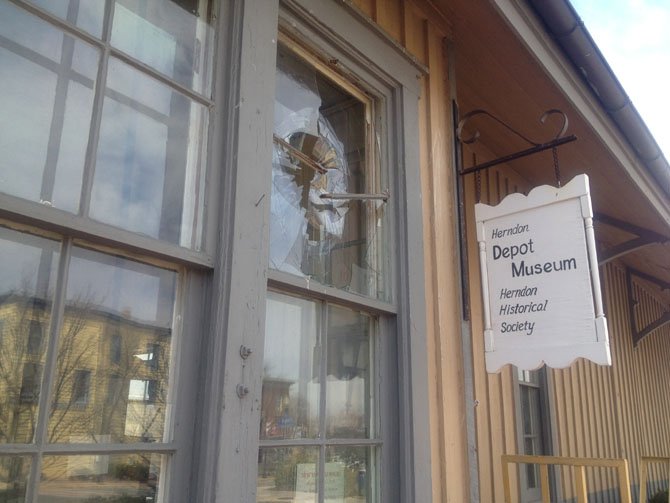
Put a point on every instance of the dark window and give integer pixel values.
(153, 352)
(115, 348)
(114, 389)
(35, 335)
(30, 384)
(80, 387)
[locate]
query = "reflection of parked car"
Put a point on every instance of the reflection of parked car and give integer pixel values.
(282, 427)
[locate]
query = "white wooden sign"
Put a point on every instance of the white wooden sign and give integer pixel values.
(540, 283)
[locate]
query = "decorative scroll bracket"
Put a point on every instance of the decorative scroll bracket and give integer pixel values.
(643, 237)
(535, 147)
(639, 334)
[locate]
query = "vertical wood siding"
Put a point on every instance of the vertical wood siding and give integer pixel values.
(601, 412)
(495, 411)
(423, 36)
(618, 411)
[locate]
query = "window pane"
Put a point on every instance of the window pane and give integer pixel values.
(86, 14)
(27, 279)
(526, 411)
(348, 389)
(45, 104)
(321, 148)
(151, 150)
(291, 370)
(14, 471)
(532, 471)
(97, 396)
(112, 478)
(287, 474)
(350, 475)
(172, 37)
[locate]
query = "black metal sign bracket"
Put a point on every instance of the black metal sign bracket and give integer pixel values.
(535, 147)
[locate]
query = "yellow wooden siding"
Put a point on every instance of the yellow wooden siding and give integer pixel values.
(618, 411)
(495, 410)
(423, 35)
(601, 412)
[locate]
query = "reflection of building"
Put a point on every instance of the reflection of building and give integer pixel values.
(112, 373)
(111, 380)
(261, 201)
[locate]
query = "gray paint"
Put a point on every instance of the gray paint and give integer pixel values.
(413, 353)
(216, 456)
(229, 432)
(466, 323)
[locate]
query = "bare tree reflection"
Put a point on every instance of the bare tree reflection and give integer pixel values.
(109, 386)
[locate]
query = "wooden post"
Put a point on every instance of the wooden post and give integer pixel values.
(506, 485)
(544, 483)
(624, 482)
(580, 484)
(644, 467)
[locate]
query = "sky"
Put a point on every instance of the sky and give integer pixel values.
(634, 37)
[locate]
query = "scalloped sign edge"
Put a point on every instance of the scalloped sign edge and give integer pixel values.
(555, 356)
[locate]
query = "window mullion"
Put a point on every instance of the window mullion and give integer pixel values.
(305, 286)
(50, 368)
(323, 338)
(63, 25)
(96, 115)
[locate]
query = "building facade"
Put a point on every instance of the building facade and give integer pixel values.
(239, 259)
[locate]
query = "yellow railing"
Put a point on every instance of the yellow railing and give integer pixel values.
(645, 461)
(579, 469)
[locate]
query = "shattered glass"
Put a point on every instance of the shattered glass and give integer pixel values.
(321, 139)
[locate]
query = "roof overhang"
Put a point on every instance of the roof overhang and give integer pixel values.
(509, 62)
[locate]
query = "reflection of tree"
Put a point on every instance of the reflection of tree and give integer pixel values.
(103, 391)
(20, 370)
(126, 397)
(74, 353)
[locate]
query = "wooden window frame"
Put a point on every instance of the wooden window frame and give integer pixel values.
(41, 215)
(226, 468)
(548, 420)
(194, 268)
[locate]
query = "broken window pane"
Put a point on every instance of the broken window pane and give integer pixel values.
(322, 149)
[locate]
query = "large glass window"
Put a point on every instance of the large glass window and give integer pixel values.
(112, 129)
(104, 119)
(69, 391)
(328, 199)
(318, 394)
(319, 433)
(534, 426)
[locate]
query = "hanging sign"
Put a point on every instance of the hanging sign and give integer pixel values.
(540, 283)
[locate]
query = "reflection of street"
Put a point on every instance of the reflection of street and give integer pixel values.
(63, 491)
(267, 493)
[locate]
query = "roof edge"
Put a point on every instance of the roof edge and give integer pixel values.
(564, 25)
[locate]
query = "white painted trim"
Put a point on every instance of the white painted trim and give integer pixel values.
(554, 351)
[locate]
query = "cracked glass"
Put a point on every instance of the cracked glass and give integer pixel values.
(327, 209)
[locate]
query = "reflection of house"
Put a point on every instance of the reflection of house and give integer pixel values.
(111, 374)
